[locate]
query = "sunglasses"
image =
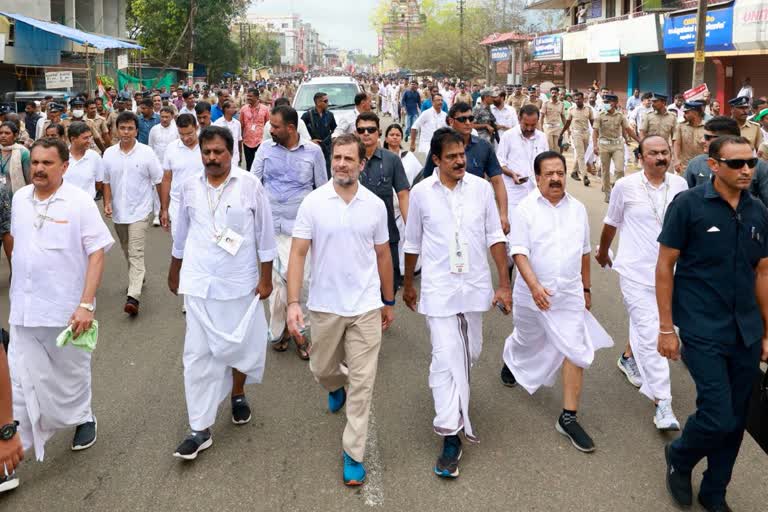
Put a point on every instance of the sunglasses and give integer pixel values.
(465, 119)
(708, 137)
(370, 129)
(738, 163)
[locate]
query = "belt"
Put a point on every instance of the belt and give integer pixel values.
(604, 140)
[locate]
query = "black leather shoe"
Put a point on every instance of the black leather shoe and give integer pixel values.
(722, 507)
(678, 482)
(507, 378)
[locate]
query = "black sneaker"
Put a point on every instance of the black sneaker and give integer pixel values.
(507, 378)
(586, 180)
(8, 483)
(241, 411)
(85, 435)
(195, 442)
(570, 428)
(447, 465)
(678, 482)
(131, 306)
(575, 176)
(721, 507)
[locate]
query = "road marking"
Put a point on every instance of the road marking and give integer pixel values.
(373, 490)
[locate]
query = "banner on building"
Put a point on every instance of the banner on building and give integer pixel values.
(697, 93)
(548, 47)
(680, 31)
(751, 16)
(604, 43)
(58, 80)
(122, 61)
(500, 53)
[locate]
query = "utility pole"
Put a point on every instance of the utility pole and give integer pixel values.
(698, 54)
(191, 60)
(461, 38)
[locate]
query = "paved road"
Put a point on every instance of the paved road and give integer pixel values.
(289, 457)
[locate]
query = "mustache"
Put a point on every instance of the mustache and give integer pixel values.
(555, 184)
(40, 175)
(661, 163)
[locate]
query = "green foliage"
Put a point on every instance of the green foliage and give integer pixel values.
(259, 48)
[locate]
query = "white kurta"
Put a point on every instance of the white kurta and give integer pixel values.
(517, 153)
(553, 238)
(427, 124)
(51, 386)
(226, 325)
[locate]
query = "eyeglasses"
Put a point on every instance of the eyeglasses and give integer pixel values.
(738, 163)
(324, 101)
(370, 129)
(464, 119)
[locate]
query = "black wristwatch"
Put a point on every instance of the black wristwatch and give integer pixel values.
(8, 431)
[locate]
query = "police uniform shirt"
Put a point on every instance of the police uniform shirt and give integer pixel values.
(609, 125)
(536, 101)
(751, 132)
(517, 101)
(382, 174)
(552, 115)
(691, 144)
(653, 123)
(580, 119)
(714, 284)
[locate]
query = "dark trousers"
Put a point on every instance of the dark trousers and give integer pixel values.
(249, 153)
(724, 375)
(398, 277)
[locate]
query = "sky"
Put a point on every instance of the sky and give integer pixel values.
(341, 23)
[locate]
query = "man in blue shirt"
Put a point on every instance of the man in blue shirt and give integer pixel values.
(147, 120)
(712, 283)
(427, 103)
(216, 110)
(411, 101)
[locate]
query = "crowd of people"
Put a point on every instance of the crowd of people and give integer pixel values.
(328, 218)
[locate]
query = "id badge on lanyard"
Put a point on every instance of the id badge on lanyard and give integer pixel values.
(227, 239)
(458, 248)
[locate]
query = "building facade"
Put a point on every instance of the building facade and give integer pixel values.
(300, 47)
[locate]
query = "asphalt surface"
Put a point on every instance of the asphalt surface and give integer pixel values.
(289, 457)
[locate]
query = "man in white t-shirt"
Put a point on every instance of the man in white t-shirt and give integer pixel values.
(428, 122)
(160, 136)
(233, 125)
(85, 169)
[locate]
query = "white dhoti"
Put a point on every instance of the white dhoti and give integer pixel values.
(221, 335)
(51, 385)
(278, 300)
(456, 345)
(542, 340)
(640, 301)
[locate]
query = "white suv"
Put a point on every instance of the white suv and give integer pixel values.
(341, 91)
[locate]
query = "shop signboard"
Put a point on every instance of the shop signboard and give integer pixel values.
(122, 61)
(548, 47)
(604, 42)
(680, 31)
(697, 93)
(751, 16)
(500, 53)
(575, 45)
(58, 80)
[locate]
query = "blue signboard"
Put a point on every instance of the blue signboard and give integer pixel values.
(548, 47)
(680, 31)
(500, 53)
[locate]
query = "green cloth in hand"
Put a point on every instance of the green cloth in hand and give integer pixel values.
(86, 341)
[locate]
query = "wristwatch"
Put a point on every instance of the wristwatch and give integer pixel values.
(8, 431)
(88, 307)
(388, 302)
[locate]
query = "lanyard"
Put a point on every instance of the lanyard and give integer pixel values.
(659, 217)
(213, 207)
(457, 210)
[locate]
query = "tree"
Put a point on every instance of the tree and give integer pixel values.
(164, 28)
(258, 47)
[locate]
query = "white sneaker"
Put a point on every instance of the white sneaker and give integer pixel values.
(665, 419)
(156, 222)
(629, 368)
(9, 482)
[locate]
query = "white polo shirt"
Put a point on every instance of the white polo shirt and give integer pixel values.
(637, 208)
(345, 274)
(237, 134)
(517, 154)
(428, 123)
(433, 213)
(160, 137)
(132, 177)
(183, 162)
(50, 256)
(84, 173)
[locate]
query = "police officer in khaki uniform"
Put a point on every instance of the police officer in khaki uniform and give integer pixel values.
(610, 126)
(579, 119)
(660, 122)
(749, 130)
(533, 97)
(517, 99)
(553, 118)
(689, 135)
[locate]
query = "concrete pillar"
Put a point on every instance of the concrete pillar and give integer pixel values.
(84, 15)
(70, 12)
(122, 6)
(98, 16)
(111, 18)
(568, 75)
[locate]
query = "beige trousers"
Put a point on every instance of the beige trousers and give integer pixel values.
(580, 144)
(610, 152)
(132, 240)
(552, 135)
(345, 352)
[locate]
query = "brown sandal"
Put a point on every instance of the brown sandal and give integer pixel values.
(282, 344)
(303, 349)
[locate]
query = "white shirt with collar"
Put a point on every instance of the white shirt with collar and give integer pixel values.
(428, 123)
(52, 242)
(637, 208)
(237, 135)
(132, 177)
(347, 285)
(239, 204)
(160, 137)
(346, 123)
(185, 110)
(517, 153)
(505, 116)
(554, 238)
(183, 162)
(301, 128)
(84, 173)
(431, 228)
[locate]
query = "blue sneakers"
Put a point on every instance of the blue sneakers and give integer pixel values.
(447, 465)
(354, 472)
(336, 399)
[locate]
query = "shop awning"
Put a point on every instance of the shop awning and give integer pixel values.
(99, 41)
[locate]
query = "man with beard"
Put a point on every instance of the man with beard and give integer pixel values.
(553, 118)
(608, 139)
(54, 225)
(254, 117)
(749, 130)
(554, 329)
(456, 283)
(203, 114)
(579, 120)
(659, 122)
(223, 279)
(345, 225)
(637, 207)
(290, 169)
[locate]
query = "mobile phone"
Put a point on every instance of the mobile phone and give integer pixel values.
(522, 180)
(502, 308)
